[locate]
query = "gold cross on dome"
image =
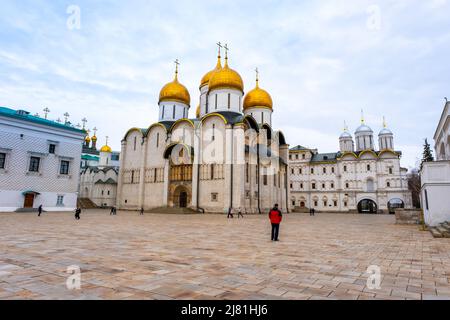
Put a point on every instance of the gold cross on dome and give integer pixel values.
(226, 50)
(106, 140)
(95, 130)
(220, 46)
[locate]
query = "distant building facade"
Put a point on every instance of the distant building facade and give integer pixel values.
(99, 173)
(355, 179)
(39, 162)
(435, 176)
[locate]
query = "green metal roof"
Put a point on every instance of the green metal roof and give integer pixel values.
(11, 113)
(89, 157)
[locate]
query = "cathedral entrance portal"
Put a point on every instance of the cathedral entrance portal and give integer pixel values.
(183, 199)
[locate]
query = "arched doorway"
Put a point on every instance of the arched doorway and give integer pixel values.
(183, 199)
(367, 206)
(302, 204)
(395, 204)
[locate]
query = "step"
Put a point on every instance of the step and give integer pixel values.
(172, 210)
(27, 210)
(445, 233)
(436, 233)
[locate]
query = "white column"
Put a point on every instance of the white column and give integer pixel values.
(120, 178)
(166, 183)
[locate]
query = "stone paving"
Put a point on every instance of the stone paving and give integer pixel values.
(209, 257)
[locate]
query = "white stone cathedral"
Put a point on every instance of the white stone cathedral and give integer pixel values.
(226, 157)
(355, 179)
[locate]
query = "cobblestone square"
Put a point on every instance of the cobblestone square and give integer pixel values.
(158, 256)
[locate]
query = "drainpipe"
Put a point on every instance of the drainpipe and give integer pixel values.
(231, 169)
(258, 175)
(286, 187)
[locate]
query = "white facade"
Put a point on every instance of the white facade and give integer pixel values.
(209, 163)
(99, 185)
(348, 181)
(435, 176)
(39, 162)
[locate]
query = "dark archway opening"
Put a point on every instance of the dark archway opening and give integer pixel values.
(367, 206)
(183, 199)
(395, 204)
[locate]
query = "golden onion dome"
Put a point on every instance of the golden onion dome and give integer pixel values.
(208, 75)
(87, 139)
(106, 148)
(258, 98)
(226, 78)
(197, 112)
(175, 91)
(94, 138)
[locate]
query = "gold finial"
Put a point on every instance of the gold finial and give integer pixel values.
(362, 116)
(226, 53)
(177, 63)
(257, 77)
(345, 126)
(220, 47)
(95, 131)
(384, 122)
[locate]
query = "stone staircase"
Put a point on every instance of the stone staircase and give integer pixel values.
(441, 231)
(86, 203)
(172, 210)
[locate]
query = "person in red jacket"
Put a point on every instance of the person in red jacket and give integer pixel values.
(275, 217)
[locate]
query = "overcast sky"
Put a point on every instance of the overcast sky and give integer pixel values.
(322, 62)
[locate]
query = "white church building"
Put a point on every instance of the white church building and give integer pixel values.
(39, 162)
(226, 157)
(98, 180)
(357, 178)
(435, 175)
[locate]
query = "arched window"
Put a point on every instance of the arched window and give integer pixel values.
(370, 185)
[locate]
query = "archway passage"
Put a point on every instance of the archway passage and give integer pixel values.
(302, 204)
(395, 204)
(183, 199)
(367, 206)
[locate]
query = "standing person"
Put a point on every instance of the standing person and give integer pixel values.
(230, 214)
(142, 212)
(40, 210)
(115, 211)
(275, 217)
(77, 213)
(313, 212)
(112, 211)
(240, 213)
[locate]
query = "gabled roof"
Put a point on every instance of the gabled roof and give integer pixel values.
(26, 116)
(109, 181)
(299, 148)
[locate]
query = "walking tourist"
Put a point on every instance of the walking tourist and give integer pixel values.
(39, 210)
